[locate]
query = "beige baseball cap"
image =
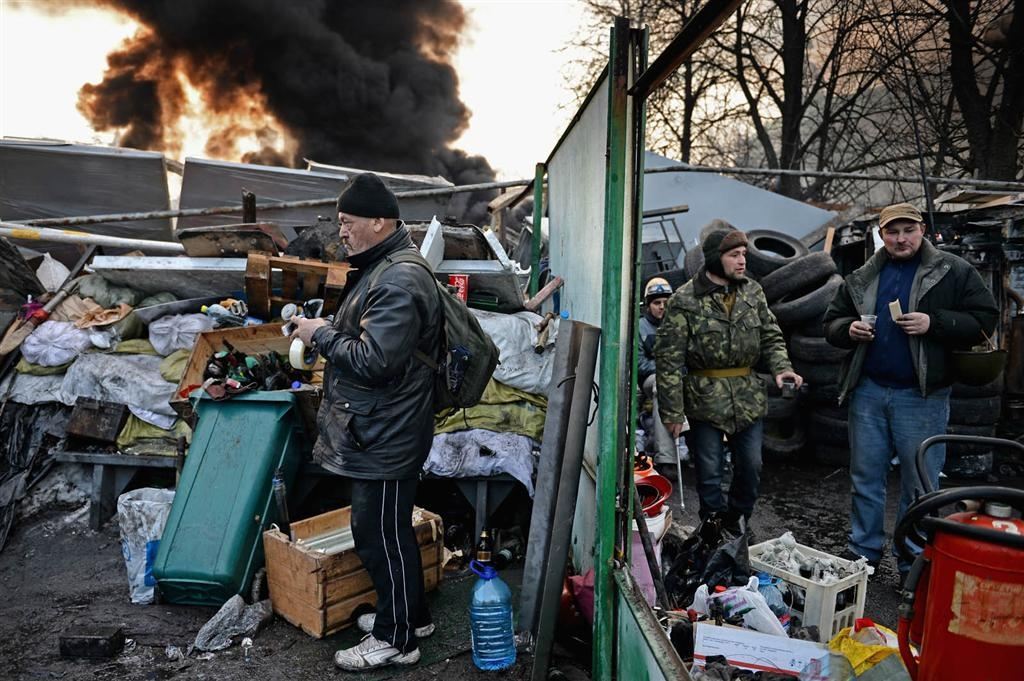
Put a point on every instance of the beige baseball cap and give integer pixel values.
(898, 211)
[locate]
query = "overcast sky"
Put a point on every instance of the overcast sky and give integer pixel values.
(512, 65)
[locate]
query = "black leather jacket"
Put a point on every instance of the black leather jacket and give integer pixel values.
(376, 421)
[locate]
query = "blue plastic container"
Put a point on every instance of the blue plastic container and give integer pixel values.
(490, 615)
(768, 587)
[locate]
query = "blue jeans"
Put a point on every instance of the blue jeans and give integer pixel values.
(882, 420)
(708, 450)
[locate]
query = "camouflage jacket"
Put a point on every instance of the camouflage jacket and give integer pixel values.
(699, 333)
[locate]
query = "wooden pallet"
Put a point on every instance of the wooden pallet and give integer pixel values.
(301, 280)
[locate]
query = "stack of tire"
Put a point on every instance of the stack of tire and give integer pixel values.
(799, 293)
(973, 410)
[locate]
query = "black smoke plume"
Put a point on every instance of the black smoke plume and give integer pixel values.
(363, 84)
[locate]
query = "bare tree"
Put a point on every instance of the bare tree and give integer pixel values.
(845, 85)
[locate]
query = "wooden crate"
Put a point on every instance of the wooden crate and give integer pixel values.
(320, 593)
(247, 339)
(301, 280)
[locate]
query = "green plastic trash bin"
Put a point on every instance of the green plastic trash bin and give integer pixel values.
(213, 540)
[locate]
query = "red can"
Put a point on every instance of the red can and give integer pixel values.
(461, 284)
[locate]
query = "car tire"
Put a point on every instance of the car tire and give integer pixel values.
(802, 272)
(975, 411)
(798, 306)
(965, 448)
(815, 349)
(768, 250)
(675, 278)
(832, 455)
(816, 374)
(828, 430)
(781, 407)
(988, 390)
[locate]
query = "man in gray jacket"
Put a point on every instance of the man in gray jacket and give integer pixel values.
(376, 422)
(902, 313)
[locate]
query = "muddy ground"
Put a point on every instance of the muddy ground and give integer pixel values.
(56, 573)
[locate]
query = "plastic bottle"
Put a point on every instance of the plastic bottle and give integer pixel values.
(281, 499)
(490, 616)
(767, 587)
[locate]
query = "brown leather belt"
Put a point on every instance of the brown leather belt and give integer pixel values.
(722, 373)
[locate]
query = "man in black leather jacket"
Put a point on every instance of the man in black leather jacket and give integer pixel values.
(376, 422)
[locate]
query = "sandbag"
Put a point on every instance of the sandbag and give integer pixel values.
(55, 343)
(177, 332)
(515, 335)
(501, 409)
(105, 294)
(173, 366)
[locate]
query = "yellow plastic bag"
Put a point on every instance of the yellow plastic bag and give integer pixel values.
(861, 656)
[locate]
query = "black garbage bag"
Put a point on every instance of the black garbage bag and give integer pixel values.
(715, 554)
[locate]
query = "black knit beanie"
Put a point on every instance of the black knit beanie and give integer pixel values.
(717, 243)
(368, 197)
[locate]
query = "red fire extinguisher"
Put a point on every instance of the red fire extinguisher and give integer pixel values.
(963, 600)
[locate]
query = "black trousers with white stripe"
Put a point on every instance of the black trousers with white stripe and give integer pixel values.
(385, 543)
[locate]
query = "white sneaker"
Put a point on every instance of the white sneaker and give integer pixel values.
(372, 654)
(365, 624)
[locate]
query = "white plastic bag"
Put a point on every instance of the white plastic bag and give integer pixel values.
(52, 273)
(745, 600)
(142, 514)
(55, 343)
(178, 331)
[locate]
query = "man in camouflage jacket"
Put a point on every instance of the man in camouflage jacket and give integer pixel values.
(718, 327)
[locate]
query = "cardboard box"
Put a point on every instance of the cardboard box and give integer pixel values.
(319, 593)
(753, 650)
(251, 340)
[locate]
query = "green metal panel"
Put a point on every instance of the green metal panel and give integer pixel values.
(213, 541)
(618, 183)
(644, 653)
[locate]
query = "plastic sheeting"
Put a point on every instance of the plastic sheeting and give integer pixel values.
(25, 433)
(473, 453)
(207, 183)
(55, 180)
(133, 380)
(515, 335)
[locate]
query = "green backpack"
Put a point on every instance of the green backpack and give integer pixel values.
(467, 356)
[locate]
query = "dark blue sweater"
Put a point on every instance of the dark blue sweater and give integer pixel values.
(888, 361)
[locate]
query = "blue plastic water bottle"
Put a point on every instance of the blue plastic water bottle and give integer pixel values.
(490, 616)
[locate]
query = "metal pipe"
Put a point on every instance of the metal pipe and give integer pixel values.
(16, 230)
(219, 210)
(835, 175)
(538, 229)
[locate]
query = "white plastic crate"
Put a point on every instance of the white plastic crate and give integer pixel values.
(819, 599)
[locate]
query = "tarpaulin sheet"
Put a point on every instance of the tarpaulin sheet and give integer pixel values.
(220, 183)
(482, 453)
(41, 179)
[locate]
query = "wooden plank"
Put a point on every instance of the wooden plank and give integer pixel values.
(257, 284)
(340, 587)
(830, 235)
(318, 524)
